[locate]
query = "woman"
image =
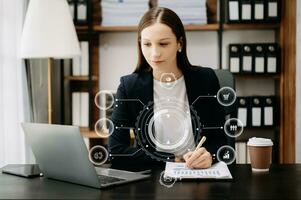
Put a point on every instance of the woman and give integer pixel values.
(164, 71)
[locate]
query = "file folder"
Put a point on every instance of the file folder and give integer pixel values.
(247, 64)
(242, 110)
(272, 10)
(234, 58)
(272, 58)
(268, 111)
(258, 10)
(246, 10)
(256, 111)
(259, 61)
(233, 11)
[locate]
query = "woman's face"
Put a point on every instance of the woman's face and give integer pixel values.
(159, 47)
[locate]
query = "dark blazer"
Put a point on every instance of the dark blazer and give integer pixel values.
(202, 81)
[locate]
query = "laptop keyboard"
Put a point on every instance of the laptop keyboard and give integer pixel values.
(108, 179)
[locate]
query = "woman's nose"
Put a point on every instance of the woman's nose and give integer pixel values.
(155, 53)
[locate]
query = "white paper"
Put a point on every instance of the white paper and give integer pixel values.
(242, 116)
(259, 12)
(179, 170)
(234, 65)
(259, 64)
(233, 10)
(272, 64)
(272, 9)
(246, 12)
(247, 63)
(268, 116)
(256, 116)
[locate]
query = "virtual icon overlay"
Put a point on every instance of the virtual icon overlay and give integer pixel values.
(166, 181)
(98, 155)
(226, 96)
(168, 80)
(226, 154)
(104, 127)
(233, 127)
(156, 139)
(153, 126)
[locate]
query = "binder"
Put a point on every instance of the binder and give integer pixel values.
(272, 10)
(259, 61)
(234, 58)
(84, 58)
(82, 12)
(272, 58)
(258, 10)
(256, 111)
(233, 11)
(268, 111)
(246, 55)
(242, 110)
(246, 10)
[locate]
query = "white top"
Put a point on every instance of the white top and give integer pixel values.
(172, 119)
(254, 141)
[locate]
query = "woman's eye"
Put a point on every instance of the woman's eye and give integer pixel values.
(163, 44)
(147, 44)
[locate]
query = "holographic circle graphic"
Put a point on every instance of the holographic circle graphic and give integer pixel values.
(168, 80)
(226, 154)
(104, 127)
(226, 96)
(104, 99)
(233, 127)
(151, 133)
(98, 155)
(166, 181)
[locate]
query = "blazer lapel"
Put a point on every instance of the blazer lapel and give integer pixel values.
(144, 90)
(192, 95)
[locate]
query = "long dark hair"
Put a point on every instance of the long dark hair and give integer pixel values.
(171, 19)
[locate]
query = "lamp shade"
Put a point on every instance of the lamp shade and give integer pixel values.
(49, 31)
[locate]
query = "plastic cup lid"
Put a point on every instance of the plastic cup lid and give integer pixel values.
(255, 141)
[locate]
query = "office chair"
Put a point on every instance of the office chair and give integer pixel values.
(226, 79)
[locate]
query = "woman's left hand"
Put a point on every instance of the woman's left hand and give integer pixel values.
(198, 159)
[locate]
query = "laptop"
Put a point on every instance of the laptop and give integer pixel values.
(62, 154)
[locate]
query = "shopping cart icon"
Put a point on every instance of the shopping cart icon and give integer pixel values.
(226, 96)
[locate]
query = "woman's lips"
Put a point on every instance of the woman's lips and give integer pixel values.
(157, 61)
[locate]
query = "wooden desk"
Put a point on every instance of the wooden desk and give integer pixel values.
(283, 182)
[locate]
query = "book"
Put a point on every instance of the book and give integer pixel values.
(180, 171)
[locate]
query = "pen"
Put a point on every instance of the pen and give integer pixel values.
(200, 143)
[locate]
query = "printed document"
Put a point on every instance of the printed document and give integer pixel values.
(180, 171)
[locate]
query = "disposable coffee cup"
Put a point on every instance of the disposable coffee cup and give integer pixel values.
(260, 150)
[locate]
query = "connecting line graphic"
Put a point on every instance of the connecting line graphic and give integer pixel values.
(130, 100)
(124, 127)
(208, 128)
(208, 96)
(112, 155)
